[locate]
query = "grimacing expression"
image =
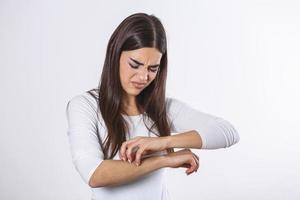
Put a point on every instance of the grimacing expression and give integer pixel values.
(138, 68)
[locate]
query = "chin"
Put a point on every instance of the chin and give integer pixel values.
(134, 92)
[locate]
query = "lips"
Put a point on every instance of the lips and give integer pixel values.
(138, 85)
(142, 84)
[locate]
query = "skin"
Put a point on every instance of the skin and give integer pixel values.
(116, 172)
(145, 73)
(146, 145)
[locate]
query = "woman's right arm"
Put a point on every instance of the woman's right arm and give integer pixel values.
(117, 172)
(87, 155)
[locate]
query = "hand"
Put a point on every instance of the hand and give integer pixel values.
(183, 158)
(140, 146)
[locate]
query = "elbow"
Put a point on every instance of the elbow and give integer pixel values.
(236, 137)
(230, 133)
(97, 181)
(235, 140)
(96, 184)
(219, 134)
(92, 183)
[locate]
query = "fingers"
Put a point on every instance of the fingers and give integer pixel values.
(187, 158)
(138, 156)
(193, 167)
(122, 152)
(186, 165)
(196, 156)
(197, 161)
(132, 148)
(194, 164)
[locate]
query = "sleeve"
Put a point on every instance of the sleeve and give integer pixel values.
(85, 149)
(214, 131)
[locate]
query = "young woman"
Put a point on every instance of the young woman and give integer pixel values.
(122, 134)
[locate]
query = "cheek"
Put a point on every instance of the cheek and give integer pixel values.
(152, 77)
(126, 74)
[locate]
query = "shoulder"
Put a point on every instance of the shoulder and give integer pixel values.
(174, 106)
(83, 99)
(84, 102)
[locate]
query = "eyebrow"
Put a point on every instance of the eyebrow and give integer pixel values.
(139, 63)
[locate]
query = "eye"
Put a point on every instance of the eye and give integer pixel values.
(153, 70)
(133, 66)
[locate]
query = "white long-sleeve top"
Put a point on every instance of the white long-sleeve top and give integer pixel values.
(84, 122)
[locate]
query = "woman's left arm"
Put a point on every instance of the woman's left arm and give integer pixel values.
(189, 139)
(190, 128)
(196, 129)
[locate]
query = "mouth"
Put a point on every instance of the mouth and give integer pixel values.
(138, 85)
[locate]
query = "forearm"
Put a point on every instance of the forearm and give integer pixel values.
(189, 139)
(118, 172)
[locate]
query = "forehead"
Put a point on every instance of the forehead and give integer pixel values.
(144, 54)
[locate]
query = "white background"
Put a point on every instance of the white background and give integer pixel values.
(235, 59)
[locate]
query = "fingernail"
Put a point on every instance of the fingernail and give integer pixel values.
(129, 160)
(137, 164)
(123, 158)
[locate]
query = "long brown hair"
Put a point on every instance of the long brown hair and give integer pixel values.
(136, 31)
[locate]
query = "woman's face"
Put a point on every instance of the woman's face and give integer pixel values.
(138, 68)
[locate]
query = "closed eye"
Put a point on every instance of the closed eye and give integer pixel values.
(133, 66)
(152, 69)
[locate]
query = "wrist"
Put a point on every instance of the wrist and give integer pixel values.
(168, 142)
(163, 161)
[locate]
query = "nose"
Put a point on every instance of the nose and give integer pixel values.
(144, 76)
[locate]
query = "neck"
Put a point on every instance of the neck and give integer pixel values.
(129, 105)
(129, 101)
